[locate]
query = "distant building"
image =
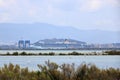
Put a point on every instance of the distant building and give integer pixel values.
(21, 44)
(66, 41)
(27, 43)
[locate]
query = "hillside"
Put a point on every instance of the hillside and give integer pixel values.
(38, 31)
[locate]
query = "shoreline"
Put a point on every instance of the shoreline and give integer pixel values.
(75, 53)
(69, 49)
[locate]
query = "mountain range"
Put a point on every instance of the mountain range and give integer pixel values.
(38, 31)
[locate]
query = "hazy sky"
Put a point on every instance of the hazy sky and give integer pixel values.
(82, 14)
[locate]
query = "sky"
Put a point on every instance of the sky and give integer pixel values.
(81, 14)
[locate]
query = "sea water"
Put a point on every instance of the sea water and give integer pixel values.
(101, 61)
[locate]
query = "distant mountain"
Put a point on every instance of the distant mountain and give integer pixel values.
(38, 31)
(59, 41)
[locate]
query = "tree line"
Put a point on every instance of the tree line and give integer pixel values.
(113, 52)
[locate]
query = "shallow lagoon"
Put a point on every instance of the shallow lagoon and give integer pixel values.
(32, 61)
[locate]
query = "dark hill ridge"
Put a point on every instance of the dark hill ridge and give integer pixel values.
(60, 41)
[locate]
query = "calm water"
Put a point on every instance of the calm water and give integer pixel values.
(32, 61)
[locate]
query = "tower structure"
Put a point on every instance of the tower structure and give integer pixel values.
(21, 44)
(27, 43)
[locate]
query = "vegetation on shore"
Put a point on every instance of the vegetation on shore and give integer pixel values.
(52, 53)
(53, 71)
(112, 52)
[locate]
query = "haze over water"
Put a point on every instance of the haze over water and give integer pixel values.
(31, 62)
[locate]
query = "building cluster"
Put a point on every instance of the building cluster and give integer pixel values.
(109, 45)
(58, 44)
(24, 44)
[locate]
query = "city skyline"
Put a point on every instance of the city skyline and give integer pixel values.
(57, 44)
